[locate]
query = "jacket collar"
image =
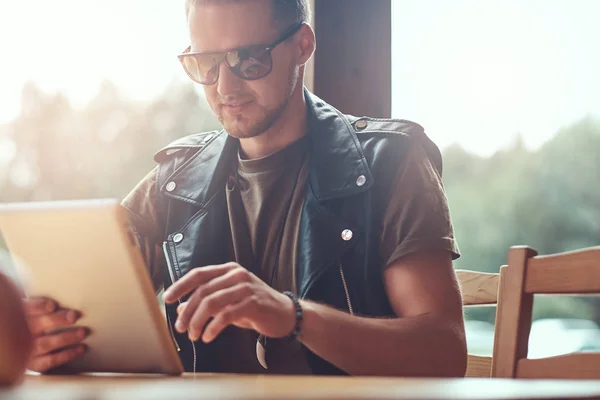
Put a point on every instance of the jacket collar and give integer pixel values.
(338, 167)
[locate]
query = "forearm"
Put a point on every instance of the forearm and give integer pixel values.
(413, 346)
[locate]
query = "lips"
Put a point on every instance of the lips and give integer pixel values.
(235, 108)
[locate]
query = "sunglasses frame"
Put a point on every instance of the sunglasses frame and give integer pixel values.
(220, 57)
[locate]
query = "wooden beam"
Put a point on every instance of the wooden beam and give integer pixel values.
(353, 60)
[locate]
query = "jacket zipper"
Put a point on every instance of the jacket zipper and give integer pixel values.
(174, 278)
(346, 290)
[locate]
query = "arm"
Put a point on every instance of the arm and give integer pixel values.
(141, 209)
(427, 338)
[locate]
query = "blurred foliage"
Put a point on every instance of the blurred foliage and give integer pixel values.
(548, 199)
(54, 152)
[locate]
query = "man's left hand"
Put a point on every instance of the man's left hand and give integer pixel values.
(231, 295)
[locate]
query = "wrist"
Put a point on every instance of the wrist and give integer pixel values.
(298, 316)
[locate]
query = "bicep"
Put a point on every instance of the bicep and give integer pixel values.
(424, 283)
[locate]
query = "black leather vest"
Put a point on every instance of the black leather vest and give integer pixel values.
(351, 166)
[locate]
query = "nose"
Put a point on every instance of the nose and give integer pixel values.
(228, 83)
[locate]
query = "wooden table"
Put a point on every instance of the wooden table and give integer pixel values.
(212, 386)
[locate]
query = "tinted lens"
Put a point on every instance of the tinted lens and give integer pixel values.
(250, 63)
(202, 68)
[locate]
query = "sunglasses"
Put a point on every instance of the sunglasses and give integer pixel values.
(249, 63)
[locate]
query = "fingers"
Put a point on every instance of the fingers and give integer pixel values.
(181, 307)
(57, 359)
(39, 306)
(228, 315)
(231, 278)
(49, 322)
(51, 343)
(55, 349)
(195, 278)
(214, 304)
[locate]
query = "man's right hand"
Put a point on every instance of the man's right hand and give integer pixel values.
(52, 349)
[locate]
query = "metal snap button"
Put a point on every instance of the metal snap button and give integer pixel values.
(207, 138)
(347, 235)
(177, 238)
(361, 124)
(171, 186)
(361, 180)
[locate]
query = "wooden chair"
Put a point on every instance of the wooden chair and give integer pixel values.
(479, 289)
(576, 272)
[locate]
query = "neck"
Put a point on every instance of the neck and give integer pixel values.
(289, 127)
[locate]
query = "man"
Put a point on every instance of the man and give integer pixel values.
(301, 240)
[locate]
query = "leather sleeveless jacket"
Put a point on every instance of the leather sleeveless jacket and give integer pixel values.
(352, 162)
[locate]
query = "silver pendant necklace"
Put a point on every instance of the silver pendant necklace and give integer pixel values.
(261, 351)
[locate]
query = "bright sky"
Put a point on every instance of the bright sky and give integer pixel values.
(72, 45)
(473, 72)
(477, 72)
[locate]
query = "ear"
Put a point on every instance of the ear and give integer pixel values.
(305, 44)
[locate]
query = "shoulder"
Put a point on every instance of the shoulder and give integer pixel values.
(140, 204)
(186, 145)
(399, 136)
(365, 126)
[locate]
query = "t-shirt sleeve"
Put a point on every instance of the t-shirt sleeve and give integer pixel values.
(141, 208)
(416, 217)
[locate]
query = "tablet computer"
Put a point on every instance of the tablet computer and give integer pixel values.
(83, 254)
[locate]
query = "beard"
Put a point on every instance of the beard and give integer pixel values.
(242, 126)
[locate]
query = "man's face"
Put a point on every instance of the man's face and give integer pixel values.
(244, 108)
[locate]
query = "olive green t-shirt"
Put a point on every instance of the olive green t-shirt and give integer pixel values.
(265, 200)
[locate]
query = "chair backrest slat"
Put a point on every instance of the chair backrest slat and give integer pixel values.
(478, 288)
(570, 366)
(573, 272)
(479, 366)
(527, 274)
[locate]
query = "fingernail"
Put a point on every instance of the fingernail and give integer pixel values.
(167, 296)
(193, 336)
(179, 326)
(83, 333)
(72, 316)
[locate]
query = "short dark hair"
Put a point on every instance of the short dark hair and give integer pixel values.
(285, 12)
